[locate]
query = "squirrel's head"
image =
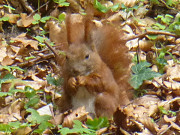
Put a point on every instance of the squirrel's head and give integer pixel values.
(81, 60)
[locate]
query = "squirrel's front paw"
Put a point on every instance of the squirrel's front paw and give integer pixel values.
(72, 82)
(81, 80)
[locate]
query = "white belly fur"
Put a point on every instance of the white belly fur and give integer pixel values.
(84, 98)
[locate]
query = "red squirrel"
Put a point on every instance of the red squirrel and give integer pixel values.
(96, 68)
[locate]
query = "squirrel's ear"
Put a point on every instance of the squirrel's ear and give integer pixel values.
(75, 29)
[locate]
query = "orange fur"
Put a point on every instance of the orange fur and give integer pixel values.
(96, 70)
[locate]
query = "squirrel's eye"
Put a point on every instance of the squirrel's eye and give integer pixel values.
(87, 56)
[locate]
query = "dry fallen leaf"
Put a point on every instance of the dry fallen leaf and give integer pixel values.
(173, 73)
(127, 3)
(12, 17)
(22, 38)
(78, 114)
(2, 52)
(7, 61)
(25, 20)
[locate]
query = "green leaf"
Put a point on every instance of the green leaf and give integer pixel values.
(37, 17)
(140, 67)
(4, 94)
(35, 22)
(41, 120)
(9, 68)
(15, 125)
(115, 7)
(159, 26)
(162, 110)
(44, 19)
(51, 80)
(29, 92)
(170, 2)
(5, 18)
(43, 126)
(152, 37)
(6, 128)
(141, 72)
(6, 78)
(77, 128)
(62, 2)
(30, 57)
(32, 102)
(9, 7)
(40, 39)
(13, 90)
(100, 7)
(36, 118)
(123, 6)
(155, 2)
(97, 123)
(66, 4)
(61, 17)
(65, 131)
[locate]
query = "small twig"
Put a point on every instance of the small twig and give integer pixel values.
(166, 130)
(25, 4)
(33, 61)
(140, 36)
(166, 5)
(50, 47)
(41, 6)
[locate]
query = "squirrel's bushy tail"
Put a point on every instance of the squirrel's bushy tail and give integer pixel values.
(114, 53)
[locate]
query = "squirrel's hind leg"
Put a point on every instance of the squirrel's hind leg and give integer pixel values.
(105, 105)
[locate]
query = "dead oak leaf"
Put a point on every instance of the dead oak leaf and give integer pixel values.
(173, 72)
(78, 114)
(12, 17)
(25, 41)
(25, 20)
(2, 52)
(7, 61)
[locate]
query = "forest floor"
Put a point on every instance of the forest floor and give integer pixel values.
(31, 82)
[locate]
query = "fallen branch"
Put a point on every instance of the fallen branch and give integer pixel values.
(140, 36)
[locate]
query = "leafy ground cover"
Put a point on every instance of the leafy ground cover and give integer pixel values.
(31, 82)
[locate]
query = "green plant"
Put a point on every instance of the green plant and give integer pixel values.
(53, 81)
(9, 7)
(160, 61)
(11, 68)
(163, 111)
(9, 78)
(97, 123)
(6, 79)
(12, 126)
(5, 18)
(164, 21)
(141, 72)
(104, 9)
(30, 57)
(40, 120)
(41, 40)
(168, 23)
(168, 3)
(37, 19)
(126, 9)
(77, 128)
(62, 3)
(33, 97)
(175, 25)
